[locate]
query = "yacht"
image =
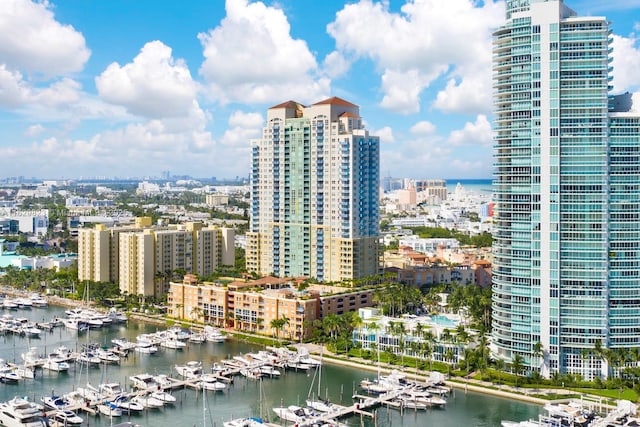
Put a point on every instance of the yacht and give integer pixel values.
(127, 405)
(213, 334)
(172, 343)
(19, 412)
(62, 354)
(294, 413)
(163, 396)
(123, 343)
(148, 401)
(38, 301)
(55, 402)
(107, 356)
(53, 364)
(211, 383)
(75, 324)
(109, 409)
(9, 304)
(65, 418)
(269, 371)
(146, 347)
(144, 382)
(31, 358)
(244, 422)
(116, 316)
(110, 389)
(7, 373)
(88, 357)
(190, 370)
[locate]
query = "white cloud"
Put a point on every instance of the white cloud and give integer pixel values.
(34, 130)
(335, 65)
(251, 57)
(153, 85)
(427, 39)
(32, 40)
(477, 133)
(385, 134)
(14, 91)
(626, 63)
(423, 128)
(469, 94)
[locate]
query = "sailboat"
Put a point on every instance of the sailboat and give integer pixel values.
(319, 404)
(248, 421)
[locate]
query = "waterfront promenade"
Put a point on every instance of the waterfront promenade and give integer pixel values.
(458, 383)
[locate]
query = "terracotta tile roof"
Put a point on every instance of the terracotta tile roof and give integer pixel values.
(336, 101)
(287, 104)
(348, 114)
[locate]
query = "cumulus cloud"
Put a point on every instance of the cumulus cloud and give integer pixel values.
(335, 65)
(33, 41)
(153, 85)
(251, 57)
(477, 133)
(423, 128)
(626, 63)
(426, 40)
(34, 130)
(385, 134)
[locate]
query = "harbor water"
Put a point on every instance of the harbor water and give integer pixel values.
(245, 397)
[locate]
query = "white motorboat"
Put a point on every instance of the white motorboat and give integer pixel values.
(164, 381)
(116, 316)
(212, 385)
(62, 354)
(146, 348)
(110, 389)
(144, 382)
(172, 343)
(75, 324)
(244, 422)
(163, 396)
(214, 334)
(9, 304)
(123, 343)
(109, 409)
(148, 401)
(65, 418)
(88, 357)
(252, 374)
(55, 365)
(38, 301)
(294, 413)
(7, 373)
(189, 370)
(197, 337)
(55, 402)
(107, 356)
(19, 412)
(31, 358)
(127, 405)
(25, 372)
(269, 371)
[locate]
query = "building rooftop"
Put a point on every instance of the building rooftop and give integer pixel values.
(336, 101)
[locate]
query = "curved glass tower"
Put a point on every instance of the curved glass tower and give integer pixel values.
(560, 291)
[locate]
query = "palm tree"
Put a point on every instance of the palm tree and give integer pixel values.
(278, 324)
(517, 365)
(538, 352)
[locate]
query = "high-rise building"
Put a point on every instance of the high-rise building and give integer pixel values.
(314, 193)
(143, 258)
(567, 217)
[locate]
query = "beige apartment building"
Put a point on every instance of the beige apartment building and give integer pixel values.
(252, 306)
(143, 258)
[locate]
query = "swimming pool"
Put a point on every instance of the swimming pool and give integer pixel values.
(441, 320)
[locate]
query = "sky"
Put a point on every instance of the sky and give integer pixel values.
(122, 88)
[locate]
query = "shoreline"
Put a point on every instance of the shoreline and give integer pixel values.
(458, 384)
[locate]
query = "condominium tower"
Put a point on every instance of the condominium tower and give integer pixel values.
(142, 259)
(567, 180)
(314, 193)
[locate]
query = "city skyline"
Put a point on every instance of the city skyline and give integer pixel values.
(132, 89)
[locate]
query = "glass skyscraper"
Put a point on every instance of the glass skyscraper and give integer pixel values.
(567, 179)
(315, 187)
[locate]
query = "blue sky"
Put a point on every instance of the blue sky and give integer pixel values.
(92, 88)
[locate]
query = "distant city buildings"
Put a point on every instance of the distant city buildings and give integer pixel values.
(566, 246)
(142, 258)
(314, 194)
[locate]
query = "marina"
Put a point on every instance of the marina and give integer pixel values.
(239, 398)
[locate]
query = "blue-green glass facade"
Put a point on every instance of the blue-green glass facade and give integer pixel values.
(558, 197)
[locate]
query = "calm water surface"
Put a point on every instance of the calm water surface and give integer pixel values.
(242, 398)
